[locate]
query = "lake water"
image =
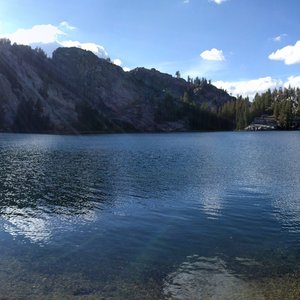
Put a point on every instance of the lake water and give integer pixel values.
(150, 216)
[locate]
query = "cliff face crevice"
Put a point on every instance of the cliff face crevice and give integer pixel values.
(75, 91)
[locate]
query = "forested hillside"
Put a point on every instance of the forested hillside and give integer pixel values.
(282, 104)
(76, 92)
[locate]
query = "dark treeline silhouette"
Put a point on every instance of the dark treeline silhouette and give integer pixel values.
(198, 116)
(282, 104)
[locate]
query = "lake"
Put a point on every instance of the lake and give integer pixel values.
(150, 216)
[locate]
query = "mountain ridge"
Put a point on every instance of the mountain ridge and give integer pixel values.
(75, 91)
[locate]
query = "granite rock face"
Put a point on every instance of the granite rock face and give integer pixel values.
(75, 91)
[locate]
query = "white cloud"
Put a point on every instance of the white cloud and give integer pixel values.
(49, 37)
(203, 68)
(249, 87)
(186, 1)
(66, 25)
(95, 48)
(218, 1)
(43, 34)
(48, 48)
(289, 54)
(213, 54)
(126, 69)
(293, 81)
(279, 37)
(117, 62)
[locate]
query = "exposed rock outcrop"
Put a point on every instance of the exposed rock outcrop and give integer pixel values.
(75, 91)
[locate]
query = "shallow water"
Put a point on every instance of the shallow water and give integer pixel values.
(149, 216)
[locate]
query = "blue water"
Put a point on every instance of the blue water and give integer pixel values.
(150, 216)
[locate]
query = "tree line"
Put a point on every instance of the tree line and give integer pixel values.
(282, 104)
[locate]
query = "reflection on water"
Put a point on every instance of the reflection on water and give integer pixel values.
(287, 208)
(212, 200)
(24, 222)
(39, 227)
(44, 189)
(208, 278)
(178, 216)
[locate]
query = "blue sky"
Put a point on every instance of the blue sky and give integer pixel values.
(243, 46)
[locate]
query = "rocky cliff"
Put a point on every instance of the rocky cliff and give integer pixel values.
(75, 91)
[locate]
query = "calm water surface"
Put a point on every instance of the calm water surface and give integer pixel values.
(154, 216)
